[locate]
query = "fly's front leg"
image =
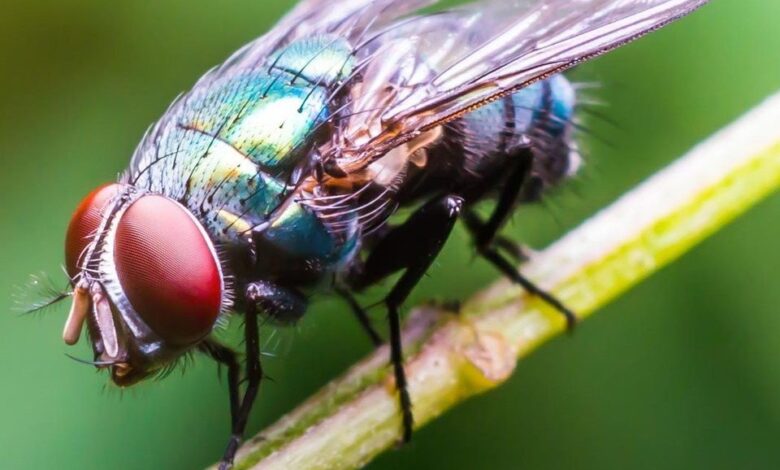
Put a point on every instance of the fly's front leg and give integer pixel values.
(227, 357)
(487, 240)
(254, 373)
(412, 247)
(276, 302)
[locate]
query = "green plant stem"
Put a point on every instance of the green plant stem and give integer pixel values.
(453, 357)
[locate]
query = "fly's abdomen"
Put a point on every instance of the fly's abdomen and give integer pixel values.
(536, 118)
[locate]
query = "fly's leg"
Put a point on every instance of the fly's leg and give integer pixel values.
(485, 238)
(254, 373)
(412, 247)
(277, 302)
(361, 315)
(227, 357)
(283, 304)
(486, 234)
(509, 270)
(516, 251)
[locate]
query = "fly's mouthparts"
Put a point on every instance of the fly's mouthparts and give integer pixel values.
(105, 320)
(85, 295)
(79, 309)
(121, 369)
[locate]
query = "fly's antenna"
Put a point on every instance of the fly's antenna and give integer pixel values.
(38, 295)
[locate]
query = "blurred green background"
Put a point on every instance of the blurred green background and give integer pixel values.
(681, 372)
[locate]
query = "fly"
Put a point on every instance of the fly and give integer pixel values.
(275, 176)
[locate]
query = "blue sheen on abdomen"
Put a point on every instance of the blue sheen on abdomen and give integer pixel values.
(530, 117)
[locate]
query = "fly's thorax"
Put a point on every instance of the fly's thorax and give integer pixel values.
(231, 151)
(147, 280)
(234, 175)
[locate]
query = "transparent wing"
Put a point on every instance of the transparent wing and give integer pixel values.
(423, 71)
(349, 19)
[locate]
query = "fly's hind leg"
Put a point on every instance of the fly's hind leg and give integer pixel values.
(509, 270)
(488, 241)
(279, 303)
(517, 252)
(410, 247)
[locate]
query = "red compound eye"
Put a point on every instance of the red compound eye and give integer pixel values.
(84, 223)
(168, 269)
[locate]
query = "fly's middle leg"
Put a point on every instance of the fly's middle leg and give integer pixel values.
(410, 247)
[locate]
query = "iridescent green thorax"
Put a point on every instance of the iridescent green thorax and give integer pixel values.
(227, 149)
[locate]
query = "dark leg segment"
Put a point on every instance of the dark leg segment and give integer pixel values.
(227, 357)
(506, 202)
(485, 236)
(254, 373)
(512, 249)
(510, 271)
(283, 305)
(412, 246)
(397, 360)
(361, 315)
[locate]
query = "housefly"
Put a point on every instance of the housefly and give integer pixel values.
(276, 175)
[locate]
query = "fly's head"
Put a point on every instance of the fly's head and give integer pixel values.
(146, 277)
